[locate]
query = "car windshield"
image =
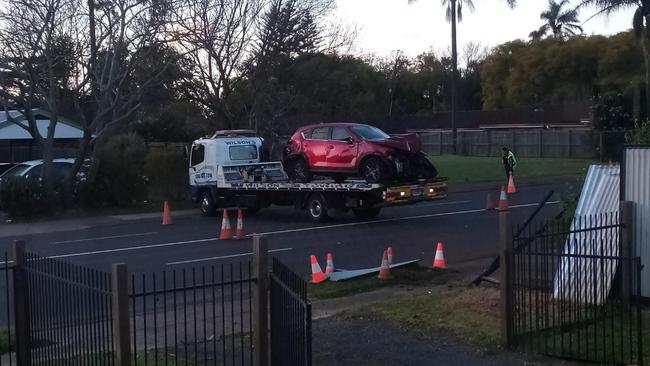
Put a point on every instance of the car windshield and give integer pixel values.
(17, 171)
(370, 133)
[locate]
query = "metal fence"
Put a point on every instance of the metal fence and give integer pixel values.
(585, 144)
(193, 316)
(7, 332)
(290, 318)
(574, 292)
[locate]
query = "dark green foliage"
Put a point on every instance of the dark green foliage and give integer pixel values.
(22, 197)
(166, 170)
(613, 111)
(117, 177)
(640, 135)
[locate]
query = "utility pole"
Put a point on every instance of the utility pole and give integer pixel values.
(454, 61)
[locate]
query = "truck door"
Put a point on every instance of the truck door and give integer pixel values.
(342, 149)
(198, 175)
(316, 146)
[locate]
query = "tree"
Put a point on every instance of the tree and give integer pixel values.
(640, 24)
(561, 23)
(454, 14)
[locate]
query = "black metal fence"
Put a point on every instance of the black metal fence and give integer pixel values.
(290, 318)
(193, 316)
(69, 312)
(7, 332)
(575, 291)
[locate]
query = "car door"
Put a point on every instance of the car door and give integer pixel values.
(197, 165)
(342, 149)
(315, 147)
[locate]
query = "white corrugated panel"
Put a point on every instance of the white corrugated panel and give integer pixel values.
(11, 131)
(637, 190)
(600, 195)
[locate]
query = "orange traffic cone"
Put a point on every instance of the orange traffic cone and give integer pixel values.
(330, 265)
(511, 185)
(390, 255)
(503, 200)
(489, 204)
(317, 275)
(384, 270)
(439, 261)
(226, 230)
(167, 217)
(240, 225)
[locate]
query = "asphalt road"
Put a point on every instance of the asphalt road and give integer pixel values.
(459, 221)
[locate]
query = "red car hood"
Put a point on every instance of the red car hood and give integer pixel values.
(405, 142)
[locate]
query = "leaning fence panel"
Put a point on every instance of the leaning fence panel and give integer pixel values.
(197, 316)
(570, 296)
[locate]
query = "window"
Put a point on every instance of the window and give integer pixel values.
(36, 172)
(307, 134)
(243, 152)
(340, 134)
(17, 171)
(61, 170)
(370, 133)
(321, 133)
(198, 154)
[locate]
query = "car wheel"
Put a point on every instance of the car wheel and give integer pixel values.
(373, 170)
(317, 208)
(208, 207)
(300, 171)
(366, 213)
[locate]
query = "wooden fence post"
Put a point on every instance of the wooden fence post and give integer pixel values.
(260, 301)
(21, 303)
(505, 249)
(627, 248)
(121, 327)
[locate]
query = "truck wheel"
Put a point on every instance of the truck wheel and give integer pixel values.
(317, 208)
(373, 170)
(366, 213)
(208, 208)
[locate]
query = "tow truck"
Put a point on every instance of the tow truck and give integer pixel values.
(227, 170)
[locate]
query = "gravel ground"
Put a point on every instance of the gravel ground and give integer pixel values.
(354, 342)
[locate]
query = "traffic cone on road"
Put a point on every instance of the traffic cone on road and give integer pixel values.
(439, 261)
(503, 200)
(489, 204)
(511, 185)
(317, 275)
(167, 217)
(329, 269)
(389, 251)
(226, 230)
(384, 270)
(239, 234)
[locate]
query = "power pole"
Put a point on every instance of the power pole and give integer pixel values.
(454, 61)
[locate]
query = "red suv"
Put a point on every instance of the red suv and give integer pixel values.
(341, 150)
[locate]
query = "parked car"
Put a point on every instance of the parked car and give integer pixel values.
(33, 169)
(342, 150)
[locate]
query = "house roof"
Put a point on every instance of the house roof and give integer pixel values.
(65, 129)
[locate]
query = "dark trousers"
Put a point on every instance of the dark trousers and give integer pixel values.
(508, 172)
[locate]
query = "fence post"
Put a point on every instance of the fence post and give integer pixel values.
(600, 145)
(541, 143)
(440, 143)
(260, 301)
(505, 249)
(121, 327)
(570, 143)
(21, 302)
(627, 247)
(489, 142)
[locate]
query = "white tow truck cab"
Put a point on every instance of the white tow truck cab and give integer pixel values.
(228, 169)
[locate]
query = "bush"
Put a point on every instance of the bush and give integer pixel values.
(166, 170)
(640, 135)
(117, 176)
(22, 197)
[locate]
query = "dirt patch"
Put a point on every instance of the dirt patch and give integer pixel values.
(480, 300)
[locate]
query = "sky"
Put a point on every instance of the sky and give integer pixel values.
(385, 26)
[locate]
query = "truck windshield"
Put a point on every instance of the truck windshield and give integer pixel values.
(243, 152)
(369, 133)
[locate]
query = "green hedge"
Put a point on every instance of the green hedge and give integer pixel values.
(166, 170)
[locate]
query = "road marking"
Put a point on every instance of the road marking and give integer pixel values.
(224, 257)
(104, 238)
(133, 248)
(391, 220)
(440, 204)
(287, 231)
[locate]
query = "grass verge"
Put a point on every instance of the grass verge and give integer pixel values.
(410, 275)
(486, 169)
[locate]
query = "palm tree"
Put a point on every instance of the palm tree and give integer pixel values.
(560, 22)
(455, 14)
(640, 24)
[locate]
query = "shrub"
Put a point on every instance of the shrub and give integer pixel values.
(117, 176)
(640, 135)
(166, 170)
(22, 197)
